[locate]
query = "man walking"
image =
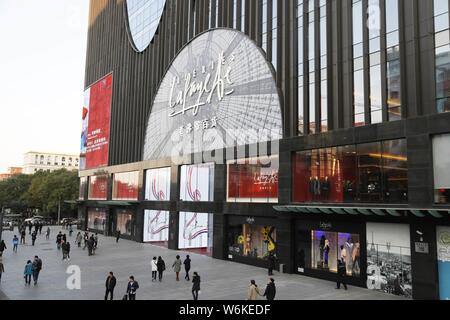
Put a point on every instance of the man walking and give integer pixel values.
(90, 245)
(110, 285)
(59, 239)
(270, 290)
(40, 227)
(30, 226)
(22, 236)
(187, 267)
(195, 285)
(118, 236)
(86, 238)
(33, 238)
(15, 243)
(78, 239)
(37, 267)
(132, 288)
(342, 270)
(47, 234)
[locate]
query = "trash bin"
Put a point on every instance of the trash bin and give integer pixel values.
(282, 268)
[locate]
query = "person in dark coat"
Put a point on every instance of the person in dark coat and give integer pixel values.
(40, 227)
(33, 237)
(132, 288)
(22, 236)
(271, 263)
(30, 226)
(270, 290)
(161, 267)
(187, 267)
(110, 285)
(2, 247)
(59, 239)
(342, 271)
(90, 245)
(118, 234)
(195, 285)
(37, 267)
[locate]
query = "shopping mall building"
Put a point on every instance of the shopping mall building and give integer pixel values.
(314, 129)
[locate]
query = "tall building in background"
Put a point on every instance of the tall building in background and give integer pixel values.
(351, 97)
(35, 161)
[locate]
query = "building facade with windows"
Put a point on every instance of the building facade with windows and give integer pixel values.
(35, 161)
(354, 94)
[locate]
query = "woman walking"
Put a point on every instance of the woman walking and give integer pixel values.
(177, 267)
(161, 266)
(28, 272)
(2, 268)
(253, 291)
(154, 268)
(78, 239)
(195, 285)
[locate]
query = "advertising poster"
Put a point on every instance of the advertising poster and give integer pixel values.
(197, 183)
(389, 259)
(443, 251)
(96, 124)
(157, 185)
(193, 231)
(156, 226)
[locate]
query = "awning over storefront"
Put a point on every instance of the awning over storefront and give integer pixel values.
(366, 211)
(105, 203)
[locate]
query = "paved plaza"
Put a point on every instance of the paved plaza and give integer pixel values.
(221, 280)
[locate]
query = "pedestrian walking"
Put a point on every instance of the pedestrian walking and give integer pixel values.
(70, 231)
(86, 238)
(2, 247)
(195, 285)
(22, 236)
(78, 239)
(132, 288)
(187, 267)
(270, 290)
(36, 227)
(28, 272)
(64, 237)
(90, 245)
(161, 268)
(15, 243)
(110, 285)
(95, 242)
(37, 267)
(59, 239)
(33, 238)
(154, 268)
(342, 270)
(253, 291)
(47, 234)
(271, 259)
(118, 234)
(177, 267)
(2, 268)
(41, 225)
(30, 226)
(65, 250)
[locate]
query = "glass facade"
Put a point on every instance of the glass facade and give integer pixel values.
(83, 188)
(253, 180)
(157, 184)
(124, 222)
(441, 165)
(442, 58)
(300, 66)
(374, 172)
(393, 79)
(252, 241)
(98, 188)
(143, 20)
(126, 186)
(264, 24)
(358, 64)
(197, 183)
(97, 219)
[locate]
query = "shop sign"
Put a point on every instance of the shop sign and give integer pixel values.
(325, 226)
(422, 247)
(250, 220)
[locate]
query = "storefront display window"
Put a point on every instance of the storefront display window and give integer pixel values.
(197, 183)
(253, 180)
(83, 188)
(441, 163)
(328, 247)
(157, 184)
(156, 226)
(252, 241)
(98, 188)
(97, 219)
(375, 172)
(124, 222)
(443, 258)
(125, 186)
(194, 230)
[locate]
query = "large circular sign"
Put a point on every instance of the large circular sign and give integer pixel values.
(143, 21)
(218, 93)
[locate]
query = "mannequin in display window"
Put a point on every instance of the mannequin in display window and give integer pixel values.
(326, 251)
(248, 245)
(314, 187)
(355, 258)
(321, 249)
(326, 186)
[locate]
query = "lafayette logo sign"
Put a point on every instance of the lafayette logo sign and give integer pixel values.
(218, 93)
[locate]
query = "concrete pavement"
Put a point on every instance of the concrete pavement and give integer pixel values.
(221, 280)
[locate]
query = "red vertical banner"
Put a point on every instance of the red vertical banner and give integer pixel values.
(96, 124)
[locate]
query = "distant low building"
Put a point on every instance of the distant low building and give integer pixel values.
(12, 171)
(44, 161)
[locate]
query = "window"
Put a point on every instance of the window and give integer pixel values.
(375, 172)
(300, 57)
(393, 81)
(126, 186)
(441, 163)
(98, 188)
(252, 241)
(442, 55)
(323, 67)
(264, 23)
(124, 222)
(274, 33)
(197, 183)
(83, 188)
(253, 180)
(97, 219)
(358, 66)
(157, 184)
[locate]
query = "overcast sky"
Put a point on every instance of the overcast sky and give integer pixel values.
(42, 57)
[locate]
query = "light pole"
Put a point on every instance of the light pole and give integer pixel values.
(1, 222)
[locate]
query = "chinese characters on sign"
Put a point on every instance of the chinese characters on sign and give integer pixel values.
(198, 126)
